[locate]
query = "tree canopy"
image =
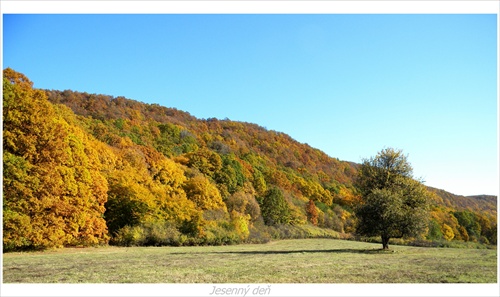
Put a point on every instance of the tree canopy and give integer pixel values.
(393, 205)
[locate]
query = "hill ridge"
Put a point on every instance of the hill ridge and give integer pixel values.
(139, 168)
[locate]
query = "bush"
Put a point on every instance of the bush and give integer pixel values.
(158, 234)
(129, 236)
(434, 232)
(240, 223)
(244, 203)
(151, 234)
(258, 235)
(220, 233)
(312, 213)
(330, 220)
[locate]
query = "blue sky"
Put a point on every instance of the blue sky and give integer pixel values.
(349, 85)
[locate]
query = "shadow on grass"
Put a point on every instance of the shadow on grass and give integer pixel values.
(332, 251)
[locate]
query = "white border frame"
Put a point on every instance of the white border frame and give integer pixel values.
(250, 7)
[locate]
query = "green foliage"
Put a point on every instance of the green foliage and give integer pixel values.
(220, 233)
(383, 171)
(331, 220)
(124, 207)
(129, 236)
(469, 221)
(259, 183)
(394, 205)
(258, 234)
(434, 232)
(149, 234)
(274, 207)
(16, 230)
(231, 174)
(206, 161)
(173, 140)
(193, 227)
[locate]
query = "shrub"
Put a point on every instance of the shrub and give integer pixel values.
(220, 233)
(244, 203)
(240, 223)
(129, 236)
(312, 213)
(149, 234)
(161, 234)
(237, 202)
(258, 235)
(434, 232)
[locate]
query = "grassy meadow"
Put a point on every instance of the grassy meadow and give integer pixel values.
(286, 261)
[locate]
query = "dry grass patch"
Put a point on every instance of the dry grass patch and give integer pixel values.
(287, 261)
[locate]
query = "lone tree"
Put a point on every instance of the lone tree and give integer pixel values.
(394, 205)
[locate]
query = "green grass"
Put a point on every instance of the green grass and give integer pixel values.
(286, 261)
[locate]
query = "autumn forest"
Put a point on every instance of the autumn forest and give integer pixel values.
(84, 169)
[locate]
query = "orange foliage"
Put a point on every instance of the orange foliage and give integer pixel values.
(312, 213)
(79, 167)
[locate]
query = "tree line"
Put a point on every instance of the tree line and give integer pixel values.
(83, 169)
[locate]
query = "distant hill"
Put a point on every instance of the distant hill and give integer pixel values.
(480, 203)
(152, 175)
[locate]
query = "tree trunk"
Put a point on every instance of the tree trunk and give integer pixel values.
(385, 242)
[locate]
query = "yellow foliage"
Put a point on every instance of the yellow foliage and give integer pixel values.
(152, 186)
(347, 197)
(203, 193)
(297, 217)
(77, 177)
(241, 224)
(65, 203)
(314, 191)
(448, 233)
(345, 215)
(447, 218)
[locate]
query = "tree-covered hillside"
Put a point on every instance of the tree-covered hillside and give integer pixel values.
(85, 169)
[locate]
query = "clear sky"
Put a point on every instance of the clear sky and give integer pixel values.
(349, 85)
